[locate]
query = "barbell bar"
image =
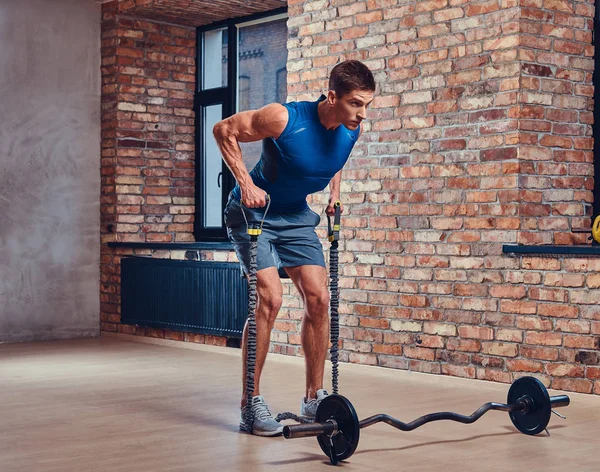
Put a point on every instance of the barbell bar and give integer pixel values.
(337, 426)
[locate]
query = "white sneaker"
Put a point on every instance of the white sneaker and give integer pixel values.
(264, 424)
(308, 408)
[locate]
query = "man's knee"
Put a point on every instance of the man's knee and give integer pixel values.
(270, 293)
(317, 302)
(270, 302)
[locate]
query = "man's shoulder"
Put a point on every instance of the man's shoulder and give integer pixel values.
(299, 115)
(301, 104)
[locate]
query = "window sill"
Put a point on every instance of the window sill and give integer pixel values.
(212, 245)
(581, 250)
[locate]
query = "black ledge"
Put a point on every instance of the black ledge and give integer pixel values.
(552, 250)
(197, 246)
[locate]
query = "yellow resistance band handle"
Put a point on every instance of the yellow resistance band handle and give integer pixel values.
(254, 228)
(596, 229)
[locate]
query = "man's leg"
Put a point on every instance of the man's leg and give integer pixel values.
(269, 294)
(269, 290)
(311, 282)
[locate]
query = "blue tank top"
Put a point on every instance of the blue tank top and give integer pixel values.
(302, 160)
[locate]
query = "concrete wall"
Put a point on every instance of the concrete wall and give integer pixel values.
(49, 169)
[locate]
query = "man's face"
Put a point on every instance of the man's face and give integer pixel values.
(351, 108)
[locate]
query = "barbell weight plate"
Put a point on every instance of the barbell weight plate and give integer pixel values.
(339, 409)
(537, 418)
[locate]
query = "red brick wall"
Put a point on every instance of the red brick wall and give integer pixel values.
(556, 176)
(148, 73)
(479, 136)
(148, 140)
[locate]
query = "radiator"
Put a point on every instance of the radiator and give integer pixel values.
(191, 296)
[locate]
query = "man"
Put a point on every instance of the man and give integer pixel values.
(305, 146)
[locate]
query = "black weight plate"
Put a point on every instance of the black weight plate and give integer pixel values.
(340, 409)
(533, 421)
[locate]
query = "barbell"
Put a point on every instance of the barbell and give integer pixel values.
(337, 426)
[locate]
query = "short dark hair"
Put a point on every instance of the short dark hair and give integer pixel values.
(351, 75)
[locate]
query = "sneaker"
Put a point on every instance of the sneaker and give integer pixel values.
(308, 408)
(264, 423)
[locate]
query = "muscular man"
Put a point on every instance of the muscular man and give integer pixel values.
(305, 145)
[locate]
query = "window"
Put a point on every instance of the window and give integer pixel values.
(281, 85)
(244, 93)
(255, 78)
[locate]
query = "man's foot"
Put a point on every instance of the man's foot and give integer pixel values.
(308, 408)
(264, 424)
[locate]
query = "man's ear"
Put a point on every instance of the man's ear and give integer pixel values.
(331, 98)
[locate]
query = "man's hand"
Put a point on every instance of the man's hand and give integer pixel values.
(330, 210)
(253, 196)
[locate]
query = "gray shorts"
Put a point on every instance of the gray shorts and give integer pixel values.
(287, 239)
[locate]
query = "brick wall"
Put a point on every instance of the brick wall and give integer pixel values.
(148, 140)
(556, 113)
(148, 74)
(479, 136)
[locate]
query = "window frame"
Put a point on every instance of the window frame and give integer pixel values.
(227, 96)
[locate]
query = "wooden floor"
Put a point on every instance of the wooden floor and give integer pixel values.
(112, 405)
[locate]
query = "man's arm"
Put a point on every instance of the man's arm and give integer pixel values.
(334, 189)
(334, 193)
(245, 127)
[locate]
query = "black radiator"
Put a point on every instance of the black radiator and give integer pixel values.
(191, 296)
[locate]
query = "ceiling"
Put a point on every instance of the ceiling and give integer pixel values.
(195, 12)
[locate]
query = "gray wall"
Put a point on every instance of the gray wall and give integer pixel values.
(49, 169)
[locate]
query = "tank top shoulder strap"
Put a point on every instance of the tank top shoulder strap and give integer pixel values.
(292, 109)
